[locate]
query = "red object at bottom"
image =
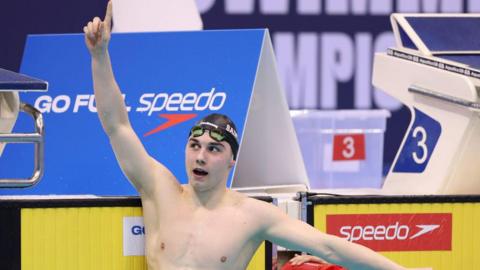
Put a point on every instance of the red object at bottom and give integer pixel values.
(312, 266)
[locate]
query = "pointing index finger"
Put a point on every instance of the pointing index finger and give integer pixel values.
(108, 16)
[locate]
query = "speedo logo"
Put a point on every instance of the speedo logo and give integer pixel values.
(381, 232)
(152, 103)
(395, 232)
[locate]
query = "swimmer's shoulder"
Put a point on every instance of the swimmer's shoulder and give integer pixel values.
(250, 204)
(238, 197)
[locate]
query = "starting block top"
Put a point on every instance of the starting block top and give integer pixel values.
(441, 34)
(446, 41)
(12, 81)
(452, 37)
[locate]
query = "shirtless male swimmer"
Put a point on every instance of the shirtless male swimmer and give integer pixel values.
(189, 227)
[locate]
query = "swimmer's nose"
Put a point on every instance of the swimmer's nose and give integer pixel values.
(201, 157)
(200, 161)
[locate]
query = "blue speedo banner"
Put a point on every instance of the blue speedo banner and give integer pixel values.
(169, 80)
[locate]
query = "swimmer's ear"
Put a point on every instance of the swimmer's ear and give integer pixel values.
(232, 163)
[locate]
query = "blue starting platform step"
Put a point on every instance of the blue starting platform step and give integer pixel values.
(10, 80)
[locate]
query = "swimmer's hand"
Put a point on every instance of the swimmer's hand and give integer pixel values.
(301, 259)
(97, 33)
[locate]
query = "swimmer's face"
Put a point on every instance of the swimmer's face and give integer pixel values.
(208, 162)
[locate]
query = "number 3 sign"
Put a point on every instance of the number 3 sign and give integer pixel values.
(348, 147)
(419, 145)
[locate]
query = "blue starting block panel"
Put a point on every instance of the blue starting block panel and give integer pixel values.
(10, 80)
(441, 34)
(449, 37)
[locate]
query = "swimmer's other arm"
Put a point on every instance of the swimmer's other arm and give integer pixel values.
(139, 167)
(297, 235)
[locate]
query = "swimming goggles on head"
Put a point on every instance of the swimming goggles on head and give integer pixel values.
(217, 134)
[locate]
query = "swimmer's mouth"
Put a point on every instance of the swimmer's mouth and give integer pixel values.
(199, 172)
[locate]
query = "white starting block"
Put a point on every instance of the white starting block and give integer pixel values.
(435, 71)
(10, 106)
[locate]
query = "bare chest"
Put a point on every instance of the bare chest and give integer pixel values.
(206, 239)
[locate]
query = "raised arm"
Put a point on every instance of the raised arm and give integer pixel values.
(297, 235)
(137, 165)
(109, 101)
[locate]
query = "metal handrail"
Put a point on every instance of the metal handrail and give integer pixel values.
(38, 138)
(451, 99)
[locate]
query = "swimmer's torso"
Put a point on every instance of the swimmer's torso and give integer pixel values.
(183, 236)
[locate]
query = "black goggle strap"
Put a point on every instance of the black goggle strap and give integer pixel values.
(233, 144)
